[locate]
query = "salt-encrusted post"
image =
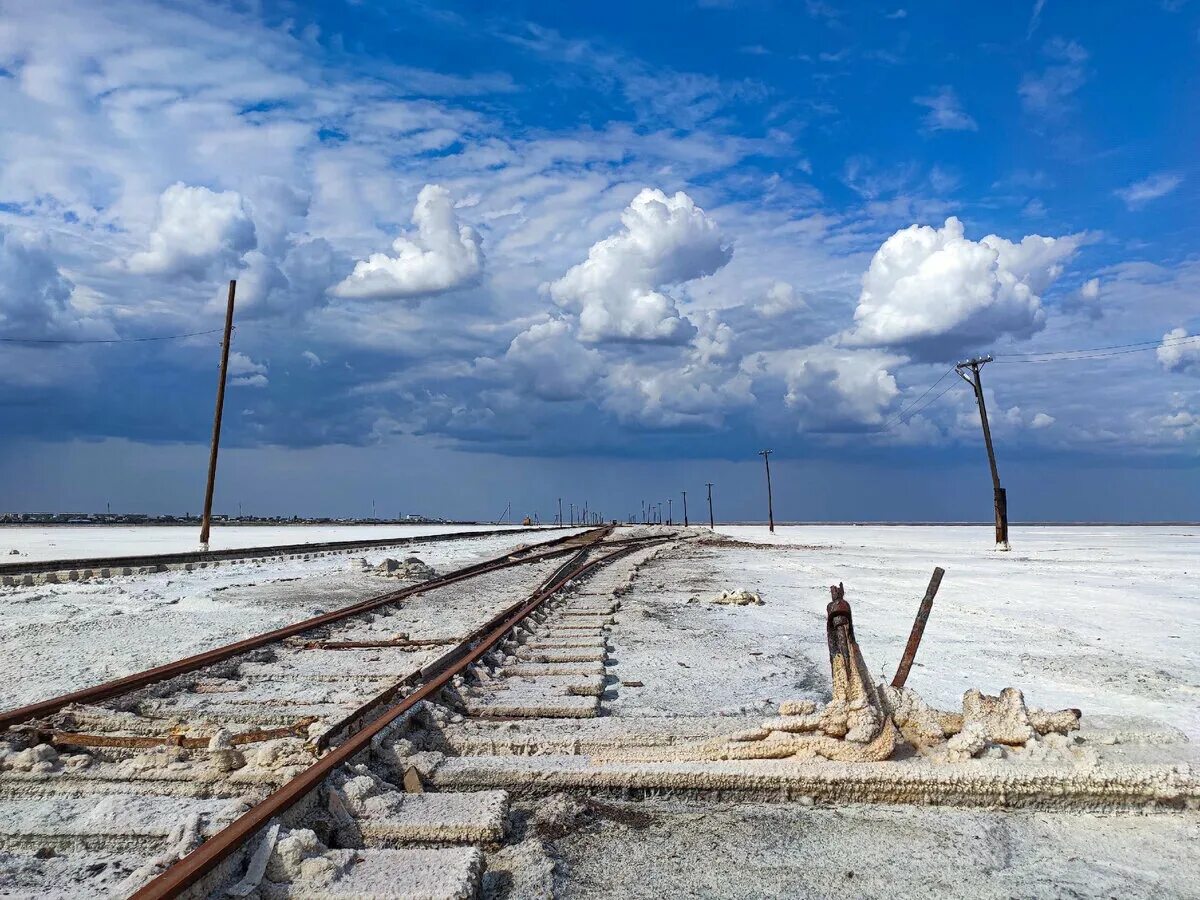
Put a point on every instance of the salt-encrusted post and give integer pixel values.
(711, 524)
(999, 495)
(206, 520)
(685, 521)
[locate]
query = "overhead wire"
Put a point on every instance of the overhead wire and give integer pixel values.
(1045, 356)
(131, 340)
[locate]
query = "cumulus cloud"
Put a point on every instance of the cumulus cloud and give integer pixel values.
(618, 292)
(288, 286)
(680, 396)
(1086, 300)
(830, 387)
(196, 230)
(945, 111)
(246, 372)
(312, 359)
(1041, 420)
(1150, 188)
(781, 299)
(935, 292)
(35, 297)
(442, 256)
(548, 362)
(1179, 351)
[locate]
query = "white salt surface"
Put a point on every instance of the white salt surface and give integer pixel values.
(56, 638)
(1106, 619)
(88, 541)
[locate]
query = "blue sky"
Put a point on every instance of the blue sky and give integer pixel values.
(490, 253)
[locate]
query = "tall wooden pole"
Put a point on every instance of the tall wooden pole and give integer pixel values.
(670, 514)
(685, 521)
(711, 524)
(766, 455)
(206, 520)
(999, 495)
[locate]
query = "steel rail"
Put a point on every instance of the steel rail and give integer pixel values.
(188, 871)
(138, 680)
(43, 566)
(359, 717)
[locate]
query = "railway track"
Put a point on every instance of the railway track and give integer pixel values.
(270, 762)
(28, 572)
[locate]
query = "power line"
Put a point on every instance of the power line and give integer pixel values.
(133, 340)
(1137, 347)
(900, 414)
(1045, 356)
(1088, 355)
(944, 391)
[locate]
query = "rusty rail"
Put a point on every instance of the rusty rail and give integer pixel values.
(130, 683)
(196, 865)
(43, 566)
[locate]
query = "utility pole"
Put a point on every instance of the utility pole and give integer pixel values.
(998, 493)
(660, 513)
(685, 521)
(206, 521)
(643, 512)
(561, 523)
(670, 514)
(711, 524)
(766, 455)
(572, 515)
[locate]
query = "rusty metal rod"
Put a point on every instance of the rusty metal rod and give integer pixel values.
(918, 629)
(188, 664)
(188, 871)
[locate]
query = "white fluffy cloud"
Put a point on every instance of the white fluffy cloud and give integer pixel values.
(935, 292)
(245, 371)
(781, 298)
(618, 291)
(1179, 351)
(196, 228)
(287, 286)
(831, 387)
(689, 395)
(549, 363)
(442, 256)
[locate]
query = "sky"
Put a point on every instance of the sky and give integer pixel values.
(490, 254)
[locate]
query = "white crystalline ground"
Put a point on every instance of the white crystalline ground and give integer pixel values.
(56, 638)
(38, 542)
(1106, 619)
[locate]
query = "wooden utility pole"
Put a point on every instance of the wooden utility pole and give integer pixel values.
(206, 520)
(766, 455)
(685, 521)
(711, 524)
(561, 523)
(670, 514)
(998, 493)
